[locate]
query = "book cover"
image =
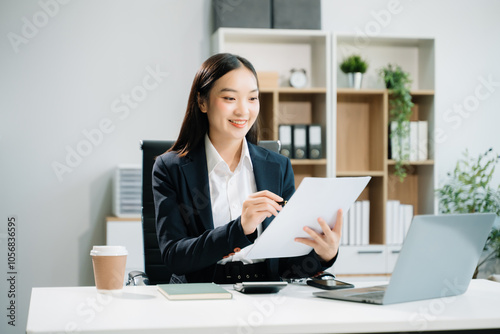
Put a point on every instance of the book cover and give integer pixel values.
(405, 142)
(400, 225)
(344, 239)
(414, 141)
(388, 222)
(400, 146)
(395, 142)
(366, 223)
(193, 291)
(359, 222)
(392, 217)
(396, 223)
(352, 225)
(422, 140)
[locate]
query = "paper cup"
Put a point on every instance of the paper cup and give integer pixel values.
(109, 266)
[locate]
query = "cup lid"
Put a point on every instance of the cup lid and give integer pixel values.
(108, 251)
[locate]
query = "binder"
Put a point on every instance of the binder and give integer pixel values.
(358, 222)
(422, 140)
(314, 141)
(299, 141)
(400, 144)
(365, 234)
(286, 139)
(413, 141)
(352, 224)
(395, 142)
(405, 142)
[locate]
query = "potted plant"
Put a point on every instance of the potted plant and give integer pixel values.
(398, 82)
(468, 189)
(354, 67)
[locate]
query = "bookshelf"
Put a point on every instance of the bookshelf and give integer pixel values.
(280, 50)
(362, 140)
(354, 122)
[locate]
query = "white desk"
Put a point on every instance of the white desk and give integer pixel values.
(293, 310)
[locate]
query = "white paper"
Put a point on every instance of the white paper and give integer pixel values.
(315, 197)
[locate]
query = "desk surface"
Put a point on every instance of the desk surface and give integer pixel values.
(293, 310)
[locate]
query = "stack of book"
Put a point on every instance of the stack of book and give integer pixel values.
(398, 220)
(412, 147)
(356, 228)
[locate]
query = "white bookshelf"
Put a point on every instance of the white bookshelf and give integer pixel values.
(319, 53)
(369, 108)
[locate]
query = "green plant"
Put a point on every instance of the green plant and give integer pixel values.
(353, 64)
(469, 189)
(400, 110)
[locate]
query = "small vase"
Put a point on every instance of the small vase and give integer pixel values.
(355, 80)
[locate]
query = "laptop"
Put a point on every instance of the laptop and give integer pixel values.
(438, 259)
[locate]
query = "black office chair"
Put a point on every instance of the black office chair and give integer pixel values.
(156, 272)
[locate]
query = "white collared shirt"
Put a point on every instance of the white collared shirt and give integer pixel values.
(228, 190)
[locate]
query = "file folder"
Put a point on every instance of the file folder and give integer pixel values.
(314, 139)
(286, 139)
(300, 141)
(422, 140)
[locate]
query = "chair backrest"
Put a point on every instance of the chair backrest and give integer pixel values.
(154, 267)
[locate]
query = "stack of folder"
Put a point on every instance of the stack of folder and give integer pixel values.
(413, 147)
(356, 225)
(301, 141)
(398, 220)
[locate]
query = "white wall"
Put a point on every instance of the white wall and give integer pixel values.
(64, 81)
(66, 76)
(466, 50)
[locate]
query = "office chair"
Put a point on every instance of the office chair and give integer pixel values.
(156, 272)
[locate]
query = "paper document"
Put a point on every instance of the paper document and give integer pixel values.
(315, 197)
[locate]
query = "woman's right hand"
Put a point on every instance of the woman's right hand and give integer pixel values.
(257, 207)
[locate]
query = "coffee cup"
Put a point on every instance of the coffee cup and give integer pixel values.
(109, 267)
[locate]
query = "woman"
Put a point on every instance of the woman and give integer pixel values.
(215, 190)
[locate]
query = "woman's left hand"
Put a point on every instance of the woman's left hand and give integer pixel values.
(325, 244)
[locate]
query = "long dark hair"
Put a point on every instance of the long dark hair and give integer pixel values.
(195, 123)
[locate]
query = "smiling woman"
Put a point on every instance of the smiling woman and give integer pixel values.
(232, 109)
(216, 157)
(196, 121)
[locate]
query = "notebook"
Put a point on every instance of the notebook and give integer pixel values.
(194, 291)
(438, 259)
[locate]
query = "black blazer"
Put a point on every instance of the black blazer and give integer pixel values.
(188, 242)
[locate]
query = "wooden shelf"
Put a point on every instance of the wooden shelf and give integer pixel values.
(375, 173)
(422, 92)
(414, 163)
(313, 90)
(352, 91)
(298, 162)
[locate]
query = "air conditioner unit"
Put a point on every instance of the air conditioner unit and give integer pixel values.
(127, 191)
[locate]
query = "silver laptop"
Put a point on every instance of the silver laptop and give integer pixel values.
(438, 259)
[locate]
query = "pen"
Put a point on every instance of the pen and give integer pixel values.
(283, 203)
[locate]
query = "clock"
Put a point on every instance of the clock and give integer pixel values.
(298, 78)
